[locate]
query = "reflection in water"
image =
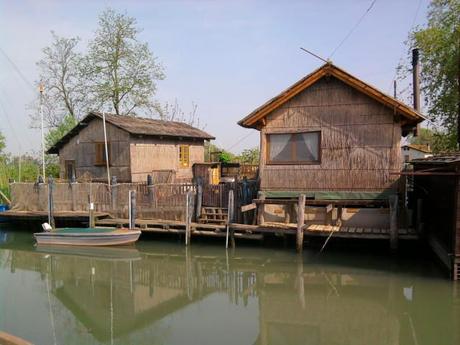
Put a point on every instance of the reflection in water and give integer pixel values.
(163, 293)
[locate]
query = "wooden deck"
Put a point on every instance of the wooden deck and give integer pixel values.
(43, 215)
(256, 232)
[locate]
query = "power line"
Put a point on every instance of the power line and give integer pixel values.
(240, 140)
(353, 28)
(410, 29)
(18, 71)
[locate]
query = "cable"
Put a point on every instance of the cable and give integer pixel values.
(240, 140)
(353, 29)
(410, 30)
(18, 71)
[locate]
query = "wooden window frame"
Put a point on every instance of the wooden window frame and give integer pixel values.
(181, 160)
(99, 156)
(293, 162)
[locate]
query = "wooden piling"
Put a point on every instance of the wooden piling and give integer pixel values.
(260, 209)
(114, 194)
(51, 203)
(300, 222)
(188, 217)
(393, 200)
(418, 215)
(230, 217)
(199, 200)
(132, 209)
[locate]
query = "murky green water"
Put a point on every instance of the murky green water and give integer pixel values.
(160, 293)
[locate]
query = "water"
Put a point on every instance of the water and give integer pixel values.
(159, 292)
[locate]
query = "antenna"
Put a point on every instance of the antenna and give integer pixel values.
(316, 56)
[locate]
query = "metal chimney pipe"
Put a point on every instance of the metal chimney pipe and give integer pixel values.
(416, 82)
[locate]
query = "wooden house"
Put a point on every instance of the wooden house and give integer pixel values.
(331, 135)
(137, 147)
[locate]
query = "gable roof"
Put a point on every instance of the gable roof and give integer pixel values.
(136, 126)
(419, 147)
(411, 116)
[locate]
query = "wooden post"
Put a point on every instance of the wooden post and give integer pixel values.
(393, 200)
(73, 193)
(114, 194)
(199, 200)
(300, 222)
(231, 211)
(188, 217)
(51, 203)
(260, 209)
(132, 209)
(41, 195)
(91, 222)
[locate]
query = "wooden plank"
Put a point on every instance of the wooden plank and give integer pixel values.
(246, 208)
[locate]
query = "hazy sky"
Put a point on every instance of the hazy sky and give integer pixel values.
(228, 57)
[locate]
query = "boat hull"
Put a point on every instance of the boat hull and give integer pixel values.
(114, 238)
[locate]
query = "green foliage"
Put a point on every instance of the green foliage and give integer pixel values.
(439, 141)
(55, 134)
(249, 156)
(2, 143)
(122, 71)
(226, 157)
(440, 53)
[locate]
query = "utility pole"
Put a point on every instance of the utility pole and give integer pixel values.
(40, 109)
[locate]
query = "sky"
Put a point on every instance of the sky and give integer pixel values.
(227, 57)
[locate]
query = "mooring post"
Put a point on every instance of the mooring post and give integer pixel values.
(188, 217)
(199, 199)
(42, 206)
(114, 194)
(261, 208)
(393, 200)
(50, 203)
(300, 222)
(132, 209)
(230, 216)
(73, 192)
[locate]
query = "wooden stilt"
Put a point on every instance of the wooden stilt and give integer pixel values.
(199, 200)
(230, 218)
(260, 209)
(300, 222)
(418, 219)
(393, 200)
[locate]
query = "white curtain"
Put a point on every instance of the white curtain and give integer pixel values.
(280, 147)
(307, 147)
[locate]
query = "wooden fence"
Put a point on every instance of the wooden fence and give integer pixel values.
(155, 201)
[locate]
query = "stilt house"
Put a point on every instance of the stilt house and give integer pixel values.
(331, 136)
(137, 147)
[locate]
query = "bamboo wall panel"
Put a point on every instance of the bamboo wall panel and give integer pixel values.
(156, 154)
(360, 141)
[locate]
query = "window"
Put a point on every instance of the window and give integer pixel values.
(294, 148)
(184, 156)
(100, 153)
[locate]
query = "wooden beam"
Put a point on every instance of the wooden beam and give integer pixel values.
(249, 207)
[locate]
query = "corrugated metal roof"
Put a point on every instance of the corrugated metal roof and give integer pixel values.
(445, 158)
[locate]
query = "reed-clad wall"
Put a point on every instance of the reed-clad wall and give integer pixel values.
(360, 141)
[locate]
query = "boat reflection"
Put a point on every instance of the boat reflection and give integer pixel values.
(123, 295)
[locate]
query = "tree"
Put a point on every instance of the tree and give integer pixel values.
(2, 143)
(60, 73)
(55, 134)
(250, 156)
(122, 70)
(173, 112)
(439, 43)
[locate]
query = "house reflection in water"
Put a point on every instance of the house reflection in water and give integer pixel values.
(126, 296)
